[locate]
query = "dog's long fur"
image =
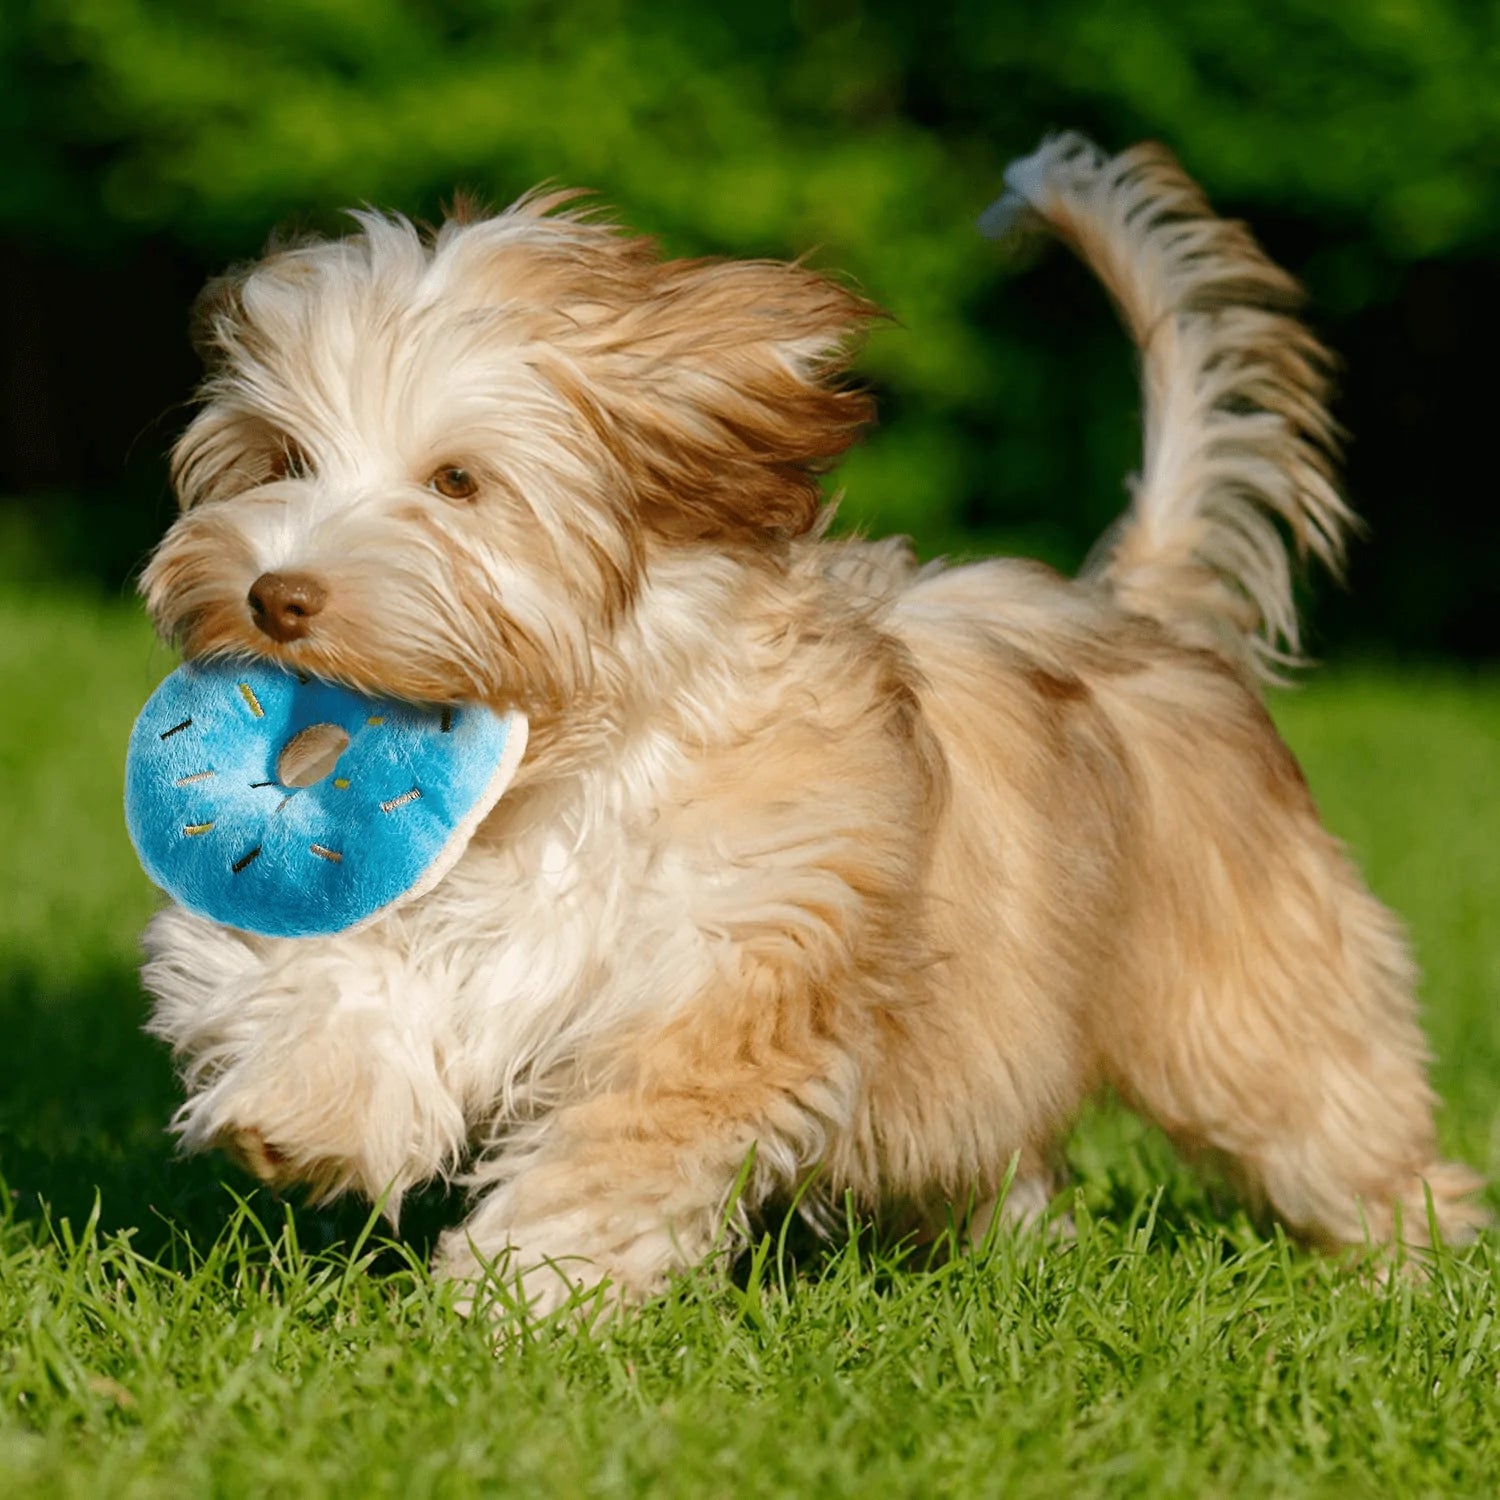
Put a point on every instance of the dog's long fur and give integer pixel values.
(869, 871)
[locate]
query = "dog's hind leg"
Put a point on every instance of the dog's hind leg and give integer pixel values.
(1282, 1033)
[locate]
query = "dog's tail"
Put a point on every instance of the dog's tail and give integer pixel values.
(1237, 432)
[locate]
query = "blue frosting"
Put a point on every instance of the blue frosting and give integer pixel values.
(217, 831)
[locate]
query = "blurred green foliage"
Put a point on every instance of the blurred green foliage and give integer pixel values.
(1361, 136)
(743, 125)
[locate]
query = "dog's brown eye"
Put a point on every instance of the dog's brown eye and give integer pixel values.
(290, 461)
(454, 483)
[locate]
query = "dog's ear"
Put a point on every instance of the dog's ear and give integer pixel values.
(722, 394)
(217, 313)
(219, 322)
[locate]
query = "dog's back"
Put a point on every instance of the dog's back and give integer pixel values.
(1132, 884)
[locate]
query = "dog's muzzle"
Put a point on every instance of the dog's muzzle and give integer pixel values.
(283, 604)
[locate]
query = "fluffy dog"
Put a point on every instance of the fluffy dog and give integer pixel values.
(855, 871)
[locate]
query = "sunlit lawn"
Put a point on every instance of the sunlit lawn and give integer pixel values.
(177, 1342)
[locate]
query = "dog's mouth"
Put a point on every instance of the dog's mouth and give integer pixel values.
(338, 653)
(328, 650)
(377, 639)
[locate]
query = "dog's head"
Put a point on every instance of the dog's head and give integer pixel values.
(436, 467)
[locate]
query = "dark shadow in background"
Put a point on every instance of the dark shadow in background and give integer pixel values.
(1419, 401)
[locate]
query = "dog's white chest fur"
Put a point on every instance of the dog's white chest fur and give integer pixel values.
(528, 950)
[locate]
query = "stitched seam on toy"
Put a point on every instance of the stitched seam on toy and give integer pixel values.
(331, 855)
(248, 694)
(167, 734)
(196, 776)
(401, 801)
(246, 859)
(193, 829)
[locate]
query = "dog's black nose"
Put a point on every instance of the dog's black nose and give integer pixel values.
(283, 604)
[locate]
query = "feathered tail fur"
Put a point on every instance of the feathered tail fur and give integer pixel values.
(1237, 431)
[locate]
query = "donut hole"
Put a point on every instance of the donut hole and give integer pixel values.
(310, 755)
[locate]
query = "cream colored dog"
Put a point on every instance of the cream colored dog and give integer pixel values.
(861, 872)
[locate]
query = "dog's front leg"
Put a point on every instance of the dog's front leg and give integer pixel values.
(633, 1183)
(314, 1061)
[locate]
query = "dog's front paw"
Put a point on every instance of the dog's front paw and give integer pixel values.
(341, 1105)
(591, 1259)
(280, 1142)
(250, 1148)
(279, 1167)
(535, 1274)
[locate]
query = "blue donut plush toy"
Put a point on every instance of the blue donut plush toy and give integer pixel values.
(294, 808)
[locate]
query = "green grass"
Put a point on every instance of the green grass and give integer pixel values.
(160, 1336)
